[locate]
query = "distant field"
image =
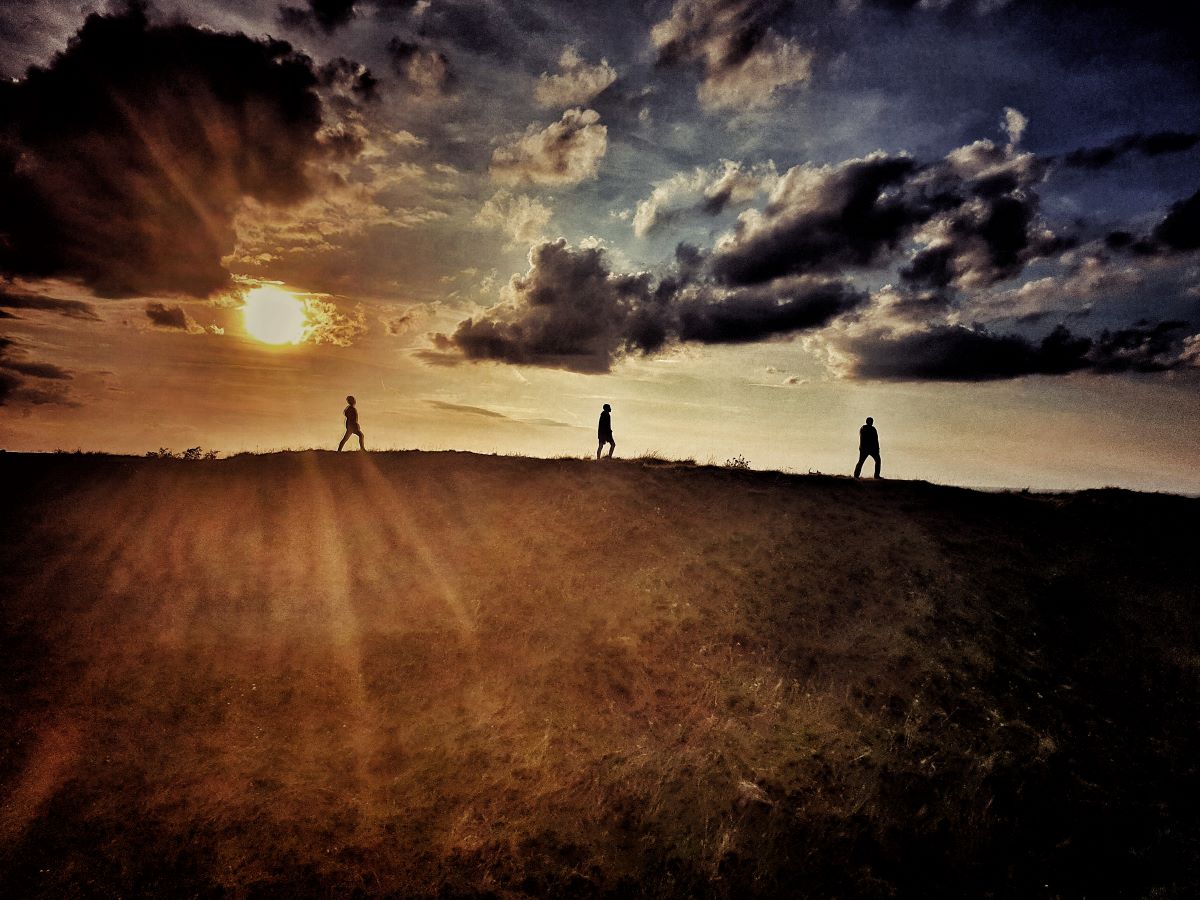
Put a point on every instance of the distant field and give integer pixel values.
(311, 674)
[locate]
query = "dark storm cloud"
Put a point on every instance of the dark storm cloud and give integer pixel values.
(167, 316)
(822, 219)
(570, 311)
(74, 309)
(755, 314)
(956, 353)
(327, 15)
(1157, 144)
(1180, 230)
(16, 372)
(124, 161)
(1177, 232)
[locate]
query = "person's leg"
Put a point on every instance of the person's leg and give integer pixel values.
(345, 437)
(878, 462)
(362, 447)
(599, 448)
(612, 445)
(862, 458)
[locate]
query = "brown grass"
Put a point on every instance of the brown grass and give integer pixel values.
(417, 673)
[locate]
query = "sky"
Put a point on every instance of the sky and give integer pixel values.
(745, 225)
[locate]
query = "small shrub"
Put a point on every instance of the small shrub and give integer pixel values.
(737, 462)
(189, 453)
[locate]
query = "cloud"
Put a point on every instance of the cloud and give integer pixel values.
(1014, 124)
(819, 218)
(986, 228)
(329, 325)
(520, 217)
(423, 70)
(1156, 144)
(755, 314)
(1180, 229)
(25, 382)
(745, 61)
(958, 353)
(707, 190)
(570, 311)
(327, 15)
(351, 78)
(470, 410)
(74, 309)
(577, 84)
(566, 152)
(124, 161)
(167, 316)
(498, 28)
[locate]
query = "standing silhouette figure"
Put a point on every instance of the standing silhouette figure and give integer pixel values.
(604, 432)
(352, 427)
(868, 445)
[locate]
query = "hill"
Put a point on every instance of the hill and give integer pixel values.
(311, 674)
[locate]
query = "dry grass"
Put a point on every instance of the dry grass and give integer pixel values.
(411, 673)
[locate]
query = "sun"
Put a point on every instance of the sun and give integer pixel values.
(274, 316)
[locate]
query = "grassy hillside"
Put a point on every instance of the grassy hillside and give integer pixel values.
(420, 673)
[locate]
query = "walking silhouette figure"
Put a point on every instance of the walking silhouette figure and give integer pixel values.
(868, 445)
(604, 432)
(352, 427)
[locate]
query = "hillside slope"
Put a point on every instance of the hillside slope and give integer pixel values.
(418, 673)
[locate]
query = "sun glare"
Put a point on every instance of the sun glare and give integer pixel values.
(274, 316)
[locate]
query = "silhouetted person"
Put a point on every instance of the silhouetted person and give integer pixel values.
(868, 445)
(604, 432)
(351, 414)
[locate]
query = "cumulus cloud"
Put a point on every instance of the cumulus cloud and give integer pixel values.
(124, 161)
(570, 311)
(1014, 124)
(576, 84)
(707, 190)
(522, 218)
(566, 152)
(745, 61)
(820, 218)
(422, 70)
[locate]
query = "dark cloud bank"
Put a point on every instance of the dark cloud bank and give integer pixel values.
(783, 272)
(124, 161)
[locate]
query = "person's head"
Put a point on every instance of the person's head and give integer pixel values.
(607, 408)
(870, 421)
(350, 400)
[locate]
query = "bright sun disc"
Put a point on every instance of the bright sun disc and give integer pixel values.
(274, 316)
